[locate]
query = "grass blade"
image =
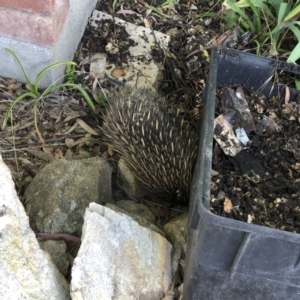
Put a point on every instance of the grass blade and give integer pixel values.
(292, 15)
(281, 13)
(75, 86)
(12, 53)
(295, 55)
(44, 71)
(295, 30)
(246, 19)
(7, 114)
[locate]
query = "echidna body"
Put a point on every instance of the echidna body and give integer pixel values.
(156, 143)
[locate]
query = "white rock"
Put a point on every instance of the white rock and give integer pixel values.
(26, 271)
(140, 68)
(119, 259)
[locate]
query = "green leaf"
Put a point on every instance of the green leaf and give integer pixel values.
(294, 29)
(231, 19)
(167, 2)
(240, 4)
(280, 26)
(275, 4)
(73, 85)
(266, 9)
(101, 98)
(245, 18)
(292, 15)
(85, 153)
(256, 12)
(159, 11)
(297, 83)
(257, 48)
(45, 70)
(281, 13)
(114, 5)
(295, 55)
(12, 53)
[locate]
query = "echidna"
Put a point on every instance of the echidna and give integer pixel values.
(156, 143)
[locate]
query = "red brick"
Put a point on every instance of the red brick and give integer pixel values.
(37, 28)
(41, 6)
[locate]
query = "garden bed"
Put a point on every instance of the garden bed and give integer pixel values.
(261, 184)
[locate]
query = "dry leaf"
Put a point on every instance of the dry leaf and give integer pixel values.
(214, 42)
(69, 131)
(227, 205)
(110, 151)
(69, 142)
(40, 154)
(29, 165)
(148, 12)
(287, 95)
(147, 23)
(69, 154)
(250, 218)
(58, 154)
(86, 127)
(128, 12)
(118, 72)
(82, 141)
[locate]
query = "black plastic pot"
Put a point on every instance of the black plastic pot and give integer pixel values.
(229, 259)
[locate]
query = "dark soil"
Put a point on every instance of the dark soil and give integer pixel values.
(185, 63)
(272, 198)
(185, 67)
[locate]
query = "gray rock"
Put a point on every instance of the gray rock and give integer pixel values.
(137, 209)
(130, 184)
(57, 251)
(176, 230)
(140, 219)
(58, 195)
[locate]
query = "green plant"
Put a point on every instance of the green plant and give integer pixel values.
(37, 95)
(114, 5)
(70, 73)
(272, 22)
(101, 98)
(159, 9)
